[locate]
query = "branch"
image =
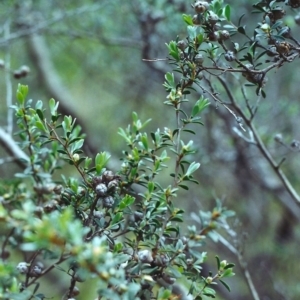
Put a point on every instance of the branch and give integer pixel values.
(50, 79)
(11, 147)
(8, 83)
(243, 266)
(261, 146)
(42, 25)
(276, 167)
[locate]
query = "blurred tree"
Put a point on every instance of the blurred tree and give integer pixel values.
(89, 56)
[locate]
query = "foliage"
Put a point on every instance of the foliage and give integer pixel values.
(123, 228)
(97, 223)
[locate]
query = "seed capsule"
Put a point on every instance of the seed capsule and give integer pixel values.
(101, 189)
(199, 59)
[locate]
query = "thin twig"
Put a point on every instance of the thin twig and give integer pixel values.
(242, 264)
(42, 25)
(13, 149)
(8, 83)
(261, 146)
(213, 95)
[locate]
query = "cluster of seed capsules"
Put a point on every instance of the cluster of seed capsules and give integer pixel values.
(210, 21)
(105, 186)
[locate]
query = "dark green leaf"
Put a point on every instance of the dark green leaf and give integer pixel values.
(225, 284)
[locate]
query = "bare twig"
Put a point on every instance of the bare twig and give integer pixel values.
(45, 24)
(213, 95)
(8, 81)
(13, 149)
(242, 264)
(261, 146)
(276, 167)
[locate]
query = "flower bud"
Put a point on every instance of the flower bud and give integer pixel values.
(278, 137)
(209, 280)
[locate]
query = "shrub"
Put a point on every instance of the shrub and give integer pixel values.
(123, 227)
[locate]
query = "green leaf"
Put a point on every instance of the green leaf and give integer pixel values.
(192, 168)
(77, 145)
(225, 284)
(229, 266)
(40, 125)
(184, 187)
(40, 114)
(228, 273)
(209, 292)
(39, 105)
(101, 160)
(53, 107)
(144, 140)
(173, 50)
(170, 80)
(240, 19)
(241, 29)
(187, 19)
(189, 130)
(126, 201)
(192, 32)
(22, 92)
(226, 12)
(218, 261)
(116, 219)
(20, 98)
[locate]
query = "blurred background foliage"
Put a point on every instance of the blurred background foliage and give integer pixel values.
(89, 56)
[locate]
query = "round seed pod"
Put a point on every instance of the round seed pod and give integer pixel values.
(96, 180)
(22, 267)
(75, 291)
(200, 76)
(181, 45)
(24, 70)
(229, 56)
(108, 201)
(224, 35)
(145, 256)
(199, 59)
(200, 7)
(101, 189)
(17, 74)
(196, 20)
(108, 176)
(212, 18)
(282, 47)
(112, 185)
(278, 137)
(214, 36)
(36, 271)
(58, 189)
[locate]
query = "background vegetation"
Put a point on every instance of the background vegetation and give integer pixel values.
(98, 60)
